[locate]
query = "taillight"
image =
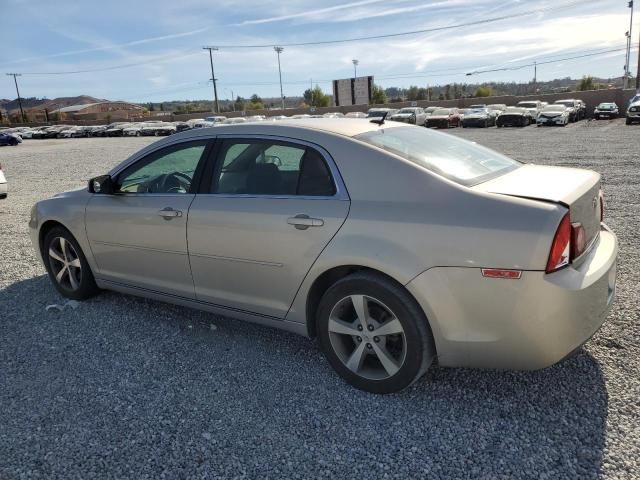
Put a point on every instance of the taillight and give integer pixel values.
(601, 198)
(560, 253)
(578, 240)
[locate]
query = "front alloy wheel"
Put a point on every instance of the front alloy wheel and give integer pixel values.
(67, 266)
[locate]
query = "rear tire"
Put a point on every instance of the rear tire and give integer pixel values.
(67, 266)
(387, 351)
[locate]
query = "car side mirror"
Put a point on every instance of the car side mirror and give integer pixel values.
(103, 184)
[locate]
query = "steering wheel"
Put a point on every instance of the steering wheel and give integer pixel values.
(174, 182)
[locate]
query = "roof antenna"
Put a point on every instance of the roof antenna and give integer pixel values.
(381, 121)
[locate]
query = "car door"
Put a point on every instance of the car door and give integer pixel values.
(138, 234)
(274, 205)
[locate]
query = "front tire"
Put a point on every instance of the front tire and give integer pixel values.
(374, 334)
(67, 266)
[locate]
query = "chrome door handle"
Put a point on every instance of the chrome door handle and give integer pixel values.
(303, 221)
(168, 213)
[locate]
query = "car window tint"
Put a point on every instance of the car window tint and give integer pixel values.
(267, 167)
(169, 171)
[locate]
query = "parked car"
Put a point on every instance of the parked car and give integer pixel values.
(514, 117)
(98, 131)
(555, 114)
(116, 129)
(633, 113)
(7, 139)
(74, 132)
(231, 121)
(478, 117)
(216, 119)
(256, 118)
(573, 106)
(606, 110)
(379, 112)
(429, 110)
(182, 126)
(159, 129)
(412, 115)
(4, 189)
(477, 106)
(496, 108)
(534, 107)
(513, 269)
(444, 118)
(356, 115)
(333, 115)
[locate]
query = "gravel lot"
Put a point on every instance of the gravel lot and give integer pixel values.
(123, 387)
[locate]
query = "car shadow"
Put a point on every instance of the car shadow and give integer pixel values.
(205, 378)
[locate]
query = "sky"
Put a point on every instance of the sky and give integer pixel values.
(151, 50)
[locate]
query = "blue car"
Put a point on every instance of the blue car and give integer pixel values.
(6, 139)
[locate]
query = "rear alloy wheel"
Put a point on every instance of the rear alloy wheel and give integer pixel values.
(67, 266)
(374, 334)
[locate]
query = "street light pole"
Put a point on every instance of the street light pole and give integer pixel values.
(627, 73)
(279, 51)
(213, 79)
(355, 64)
(14, 75)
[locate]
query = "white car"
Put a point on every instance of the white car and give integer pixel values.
(356, 115)
(413, 115)
(3, 184)
(556, 114)
(534, 106)
(633, 113)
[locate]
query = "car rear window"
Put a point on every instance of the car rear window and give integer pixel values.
(459, 160)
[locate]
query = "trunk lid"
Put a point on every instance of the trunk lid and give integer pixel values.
(574, 188)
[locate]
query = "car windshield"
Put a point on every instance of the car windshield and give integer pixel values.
(527, 105)
(407, 110)
(515, 110)
(459, 160)
(567, 103)
(555, 108)
(442, 111)
(377, 113)
(605, 106)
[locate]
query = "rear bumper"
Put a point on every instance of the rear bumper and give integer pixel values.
(529, 323)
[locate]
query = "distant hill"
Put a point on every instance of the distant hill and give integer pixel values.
(42, 103)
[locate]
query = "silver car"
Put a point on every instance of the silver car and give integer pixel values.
(394, 245)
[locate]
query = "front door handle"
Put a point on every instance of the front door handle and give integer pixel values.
(168, 213)
(303, 221)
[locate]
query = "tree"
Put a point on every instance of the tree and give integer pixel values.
(483, 91)
(239, 103)
(377, 95)
(316, 97)
(447, 92)
(255, 98)
(162, 107)
(586, 83)
(151, 107)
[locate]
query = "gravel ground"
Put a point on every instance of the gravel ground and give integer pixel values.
(124, 387)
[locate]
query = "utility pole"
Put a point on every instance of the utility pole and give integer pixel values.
(14, 75)
(535, 77)
(627, 73)
(213, 79)
(638, 71)
(355, 65)
(279, 51)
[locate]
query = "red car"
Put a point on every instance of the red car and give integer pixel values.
(444, 118)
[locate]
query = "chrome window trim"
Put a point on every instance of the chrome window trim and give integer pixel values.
(341, 189)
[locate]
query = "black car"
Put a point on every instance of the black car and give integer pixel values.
(182, 126)
(514, 117)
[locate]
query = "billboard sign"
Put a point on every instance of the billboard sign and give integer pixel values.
(352, 91)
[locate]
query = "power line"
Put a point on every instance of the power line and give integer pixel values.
(327, 42)
(415, 32)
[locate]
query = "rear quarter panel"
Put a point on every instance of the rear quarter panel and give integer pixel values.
(405, 220)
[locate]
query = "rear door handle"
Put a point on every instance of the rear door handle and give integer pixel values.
(168, 213)
(303, 221)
